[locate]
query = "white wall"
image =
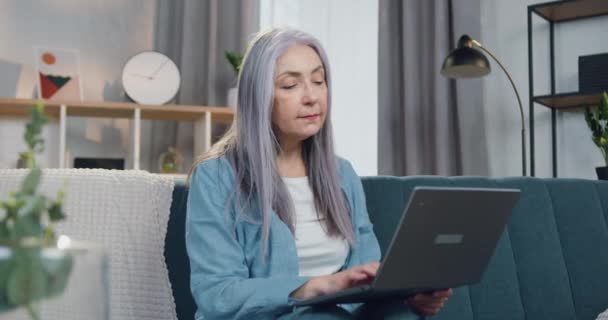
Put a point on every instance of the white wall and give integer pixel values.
(504, 31)
(106, 32)
(348, 30)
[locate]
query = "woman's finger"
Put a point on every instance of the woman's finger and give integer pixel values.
(443, 293)
(356, 275)
(371, 268)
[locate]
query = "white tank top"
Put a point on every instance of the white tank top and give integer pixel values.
(318, 254)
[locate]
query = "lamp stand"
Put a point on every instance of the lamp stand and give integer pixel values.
(521, 109)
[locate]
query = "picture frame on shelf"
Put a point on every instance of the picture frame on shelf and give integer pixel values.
(58, 74)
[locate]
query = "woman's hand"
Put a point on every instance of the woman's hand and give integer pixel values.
(428, 304)
(357, 276)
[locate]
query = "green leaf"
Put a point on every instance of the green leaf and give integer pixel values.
(597, 121)
(32, 181)
(4, 231)
(28, 226)
(34, 205)
(33, 129)
(235, 60)
(55, 212)
(26, 282)
(11, 207)
(61, 193)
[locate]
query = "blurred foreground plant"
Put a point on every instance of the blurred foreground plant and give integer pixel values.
(31, 266)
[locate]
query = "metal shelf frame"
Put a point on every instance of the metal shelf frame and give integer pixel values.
(554, 12)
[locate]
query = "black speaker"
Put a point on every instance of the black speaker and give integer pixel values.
(593, 73)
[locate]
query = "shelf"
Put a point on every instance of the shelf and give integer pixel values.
(571, 100)
(203, 117)
(561, 11)
(175, 176)
(20, 108)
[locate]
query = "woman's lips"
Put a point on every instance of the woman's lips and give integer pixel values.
(310, 117)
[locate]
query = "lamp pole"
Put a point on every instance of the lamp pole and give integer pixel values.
(521, 109)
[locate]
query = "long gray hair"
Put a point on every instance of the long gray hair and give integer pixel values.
(251, 145)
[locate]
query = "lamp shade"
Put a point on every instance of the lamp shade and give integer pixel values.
(465, 61)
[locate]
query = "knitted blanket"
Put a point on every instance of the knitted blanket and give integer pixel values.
(125, 212)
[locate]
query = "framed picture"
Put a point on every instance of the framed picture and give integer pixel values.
(58, 74)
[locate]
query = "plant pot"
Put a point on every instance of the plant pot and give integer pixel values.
(602, 173)
(68, 281)
(232, 97)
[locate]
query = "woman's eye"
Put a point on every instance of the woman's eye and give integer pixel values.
(287, 87)
(318, 82)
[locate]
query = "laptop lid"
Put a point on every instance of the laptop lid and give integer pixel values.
(445, 238)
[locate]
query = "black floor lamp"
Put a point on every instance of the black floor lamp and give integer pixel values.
(468, 62)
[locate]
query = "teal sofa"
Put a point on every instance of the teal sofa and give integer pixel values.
(551, 262)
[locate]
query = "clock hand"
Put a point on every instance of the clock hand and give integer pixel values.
(158, 69)
(140, 76)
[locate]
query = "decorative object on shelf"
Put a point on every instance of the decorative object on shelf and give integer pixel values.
(170, 161)
(58, 74)
(151, 78)
(9, 81)
(593, 73)
(21, 163)
(235, 59)
(467, 62)
(100, 163)
(597, 120)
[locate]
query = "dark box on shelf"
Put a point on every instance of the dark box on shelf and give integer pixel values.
(593, 73)
(99, 163)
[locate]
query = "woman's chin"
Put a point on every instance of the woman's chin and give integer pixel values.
(303, 136)
(309, 133)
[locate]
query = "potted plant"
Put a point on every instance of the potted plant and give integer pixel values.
(597, 120)
(35, 264)
(235, 59)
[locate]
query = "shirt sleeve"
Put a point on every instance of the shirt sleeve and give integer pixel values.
(367, 248)
(219, 280)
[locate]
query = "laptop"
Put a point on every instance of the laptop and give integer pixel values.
(445, 239)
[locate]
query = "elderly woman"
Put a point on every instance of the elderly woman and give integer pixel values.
(273, 214)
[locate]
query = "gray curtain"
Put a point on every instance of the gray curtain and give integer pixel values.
(195, 34)
(428, 124)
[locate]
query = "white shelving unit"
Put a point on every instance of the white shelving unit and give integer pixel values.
(202, 116)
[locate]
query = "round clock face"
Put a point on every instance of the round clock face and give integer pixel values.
(150, 78)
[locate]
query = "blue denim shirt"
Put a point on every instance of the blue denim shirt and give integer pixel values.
(230, 278)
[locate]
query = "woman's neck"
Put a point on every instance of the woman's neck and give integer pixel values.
(290, 161)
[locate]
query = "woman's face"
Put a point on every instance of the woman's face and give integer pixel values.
(300, 94)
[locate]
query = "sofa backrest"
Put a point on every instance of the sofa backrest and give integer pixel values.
(551, 262)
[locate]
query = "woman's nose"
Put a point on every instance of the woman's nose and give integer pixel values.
(310, 96)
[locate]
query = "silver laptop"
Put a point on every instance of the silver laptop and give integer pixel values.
(445, 239)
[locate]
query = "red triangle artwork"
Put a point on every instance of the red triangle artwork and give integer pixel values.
(58, 74)
(48, 88)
